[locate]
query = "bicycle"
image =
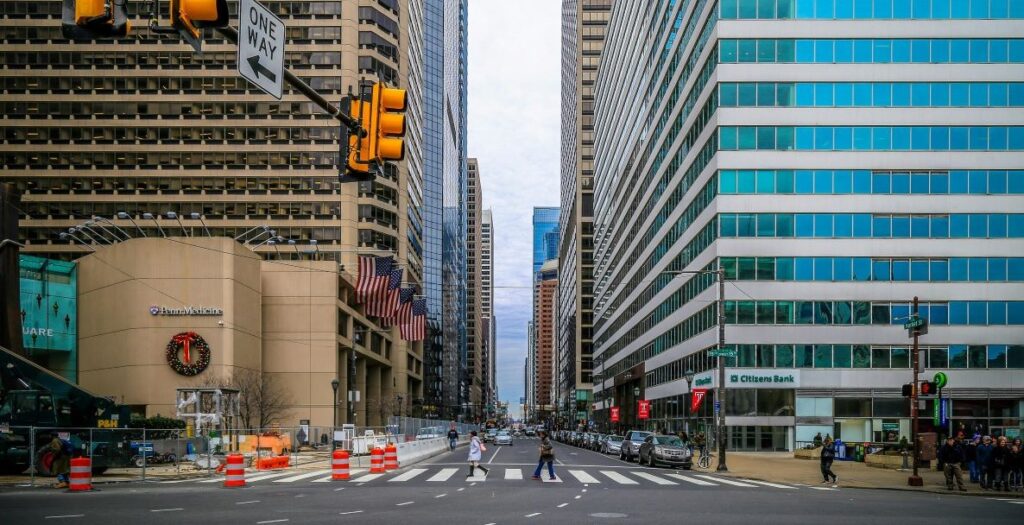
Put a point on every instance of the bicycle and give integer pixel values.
(704, 461)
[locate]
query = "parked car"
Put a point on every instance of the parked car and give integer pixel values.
(595, 445)
(631, 444)
(490, 435)
(430, 433)
(611, 444)
(503, 437)
(667, 450)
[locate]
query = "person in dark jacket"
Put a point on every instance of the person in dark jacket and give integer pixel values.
(952, 455)
(984, 461)
(970, 447)
(1001, 457)
(828, 455)
(1016, 465)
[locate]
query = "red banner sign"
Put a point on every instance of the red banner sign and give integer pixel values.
(615, 414)
(697, 398)
(643, 409)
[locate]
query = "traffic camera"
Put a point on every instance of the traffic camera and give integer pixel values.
(94, 19)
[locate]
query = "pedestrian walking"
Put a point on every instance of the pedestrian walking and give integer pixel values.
(700, 442)
(984, 461)
(547, 455)
(828, 455)
(951, 454)
(475, 449)
(1016, 465)
(817, 440)
(61, 465)
(453, 438)
(1000, 465)
(970, 447)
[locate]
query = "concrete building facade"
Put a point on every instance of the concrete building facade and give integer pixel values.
(490, 322)
(836, 159)
(544, 322)
(476, 337)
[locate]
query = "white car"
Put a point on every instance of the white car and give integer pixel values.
(503, 437)
(430, 433)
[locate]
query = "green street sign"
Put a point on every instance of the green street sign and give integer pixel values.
(722, 353)
(940, 379)
(916, 322)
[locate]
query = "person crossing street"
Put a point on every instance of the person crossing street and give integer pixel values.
(475, 450)
(547, 455)
(453, 438)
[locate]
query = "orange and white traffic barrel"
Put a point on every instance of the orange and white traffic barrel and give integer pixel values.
(339, 465)
(235, 471)
(377, 461)
(81, 474)
(391, 457)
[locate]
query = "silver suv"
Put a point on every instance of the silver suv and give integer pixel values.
(631, 444)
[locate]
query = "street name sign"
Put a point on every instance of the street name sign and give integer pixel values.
(729, 352)
(915, 322)
(261, 47)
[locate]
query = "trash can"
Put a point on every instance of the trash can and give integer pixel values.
(840, 450)
(859, 453)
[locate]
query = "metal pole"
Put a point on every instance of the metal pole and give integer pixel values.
(32, 453)
(721, 370)
(142, 450)
(915, 480)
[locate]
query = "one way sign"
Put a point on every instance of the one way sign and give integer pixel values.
(261, 47)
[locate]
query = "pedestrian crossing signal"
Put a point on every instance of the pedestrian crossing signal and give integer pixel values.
(94, 19)
(929, 388)
(908, 390)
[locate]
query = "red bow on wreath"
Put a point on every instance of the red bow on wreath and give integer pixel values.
(185, 340)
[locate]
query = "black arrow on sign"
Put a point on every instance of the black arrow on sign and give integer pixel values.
(254, 63)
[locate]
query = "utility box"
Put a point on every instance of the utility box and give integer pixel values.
(928, 442)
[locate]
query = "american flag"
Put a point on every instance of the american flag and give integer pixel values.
(374, 274)
(405, 297)
(383, 304)
(414, 323)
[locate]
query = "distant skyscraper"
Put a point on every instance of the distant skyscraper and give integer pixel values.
(545, 221)
(476, 336)
(490, 322)
(544, 306)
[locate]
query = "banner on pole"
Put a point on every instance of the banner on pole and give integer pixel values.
(643, 409)
(697, 398)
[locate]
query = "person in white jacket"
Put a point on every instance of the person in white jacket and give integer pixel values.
(475, 449)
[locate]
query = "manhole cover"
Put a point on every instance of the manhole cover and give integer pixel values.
(607, 515)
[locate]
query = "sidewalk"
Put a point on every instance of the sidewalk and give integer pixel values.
(784, 468)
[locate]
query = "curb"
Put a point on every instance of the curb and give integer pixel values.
(923, 490)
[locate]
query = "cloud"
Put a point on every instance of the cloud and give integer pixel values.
(514, 131)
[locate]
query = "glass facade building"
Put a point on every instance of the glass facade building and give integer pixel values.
(545, 236)
(836, 168)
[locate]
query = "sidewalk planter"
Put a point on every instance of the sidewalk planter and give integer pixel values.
(807, 453)
(884, 461)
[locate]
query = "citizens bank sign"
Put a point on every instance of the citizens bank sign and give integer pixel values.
(750, 378)
(186, 310)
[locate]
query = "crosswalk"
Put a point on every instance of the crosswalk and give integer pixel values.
(434, 475)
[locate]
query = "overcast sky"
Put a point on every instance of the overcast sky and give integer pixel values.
(514, 117)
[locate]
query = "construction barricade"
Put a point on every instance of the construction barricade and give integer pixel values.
(377, 461)
(81, 474)
(235, 471)
(390, 457)
(339, 465)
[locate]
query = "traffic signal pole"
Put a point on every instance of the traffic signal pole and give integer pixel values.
(353, 125)
(915, 480)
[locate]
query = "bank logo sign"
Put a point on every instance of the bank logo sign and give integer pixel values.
(186, 311)
(754, 378)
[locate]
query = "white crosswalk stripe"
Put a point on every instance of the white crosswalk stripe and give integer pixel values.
(549, 480)
(619, 478)
(443, 475)
(583, 477)
(367, 477)
(726, 481)
(651, 477)
(302, 476)
(768, 484)
(408, 475)
(513, 473)
(689, 479)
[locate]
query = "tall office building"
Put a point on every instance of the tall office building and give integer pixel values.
(583, 28)
(544, 321)
(489, 321)
(545, 235)
(440, 35)
(475, 334)
(836, 159)
(160, 133)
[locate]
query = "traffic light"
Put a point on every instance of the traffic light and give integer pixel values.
(929, 388)
(189, 17)
(359, 154)
(94, 19)
(908, 390)
(388, 126)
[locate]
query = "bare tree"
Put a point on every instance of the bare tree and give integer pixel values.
(261, 401)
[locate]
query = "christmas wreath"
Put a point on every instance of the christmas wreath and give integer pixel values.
(188, 364)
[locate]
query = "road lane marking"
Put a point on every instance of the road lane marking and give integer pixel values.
(404, 503)
(408, 475)
(349, 512)
(513, 473)
(461, 489)
(496, 450)
(577, 496)
(651, 477)
(532, 515)
(250, 502)
(368, 477)
(822, 488)
(563, 505)
(271, 521)
(443, 475)
(302, 476)
(688, 479)
(176, 509)
(439, 496)
(62, 516)
(619, 478)
(328, 479)
(583, 477)
(339, 489)
(476, 477)
(726, 481)
(261, 477)
(768, 484)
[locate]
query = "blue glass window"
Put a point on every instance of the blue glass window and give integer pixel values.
(823, 269)
(862, 225)
(1015, 269)
(997, 226)
(940, 226)
(843, 225)
(727, 181)
(804, 268)
(1015, 312)
(843, 182)
(939, 270)
(804, 138)
(977, 270)
(977, 313)
(919, 183)
(880, 270)
(862, 139)
(900, 226)
(765, 181)
(900, 270)
(958, 182)
(958, 269)
(823, 181)
(978, 225)
(862, 181)
(958, 226)
(784, 268)
(844, 95)
(745, 224)
(957, 313)
(727, 225)
(842, 269)
(804, 181)
(996, 312)
(881, 226)
(862, 269)
(919, 226)
(745, 181)
(766, 225)
(997, 269)
(804, 225)
(881, 183)
(997, 182)
(862, 94)
(784, 181)
(900, 183)
(939, 183)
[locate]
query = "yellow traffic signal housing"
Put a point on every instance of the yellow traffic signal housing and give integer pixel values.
(189, 17)
(94, 19)
(359, 149)
(389, 123)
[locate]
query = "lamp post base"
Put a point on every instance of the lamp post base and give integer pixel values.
(915, 481)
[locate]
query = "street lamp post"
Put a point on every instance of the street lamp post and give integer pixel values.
(334, 422)
(688, 375)
(636, 406)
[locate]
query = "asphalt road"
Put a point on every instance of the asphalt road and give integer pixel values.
(590, 488)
